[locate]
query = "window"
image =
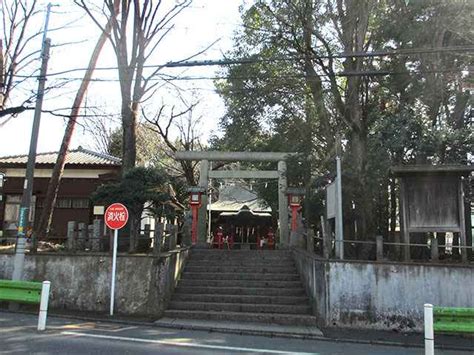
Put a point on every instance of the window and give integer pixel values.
(12, 208)
(68, 202)
(80, 203)
(63, 203)
(72, 203)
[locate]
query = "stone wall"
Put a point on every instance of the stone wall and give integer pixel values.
(81, 282)
(381, 295)
(314, 276)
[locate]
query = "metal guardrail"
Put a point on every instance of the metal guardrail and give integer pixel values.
(452, 320)
(20, 291)
(27, 292)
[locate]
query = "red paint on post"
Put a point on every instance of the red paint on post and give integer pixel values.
(116, 216)
(194, 226)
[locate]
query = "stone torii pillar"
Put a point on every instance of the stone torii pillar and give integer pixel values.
(283, 204)
(202, 214)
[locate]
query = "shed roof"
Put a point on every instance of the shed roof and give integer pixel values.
(257, 214)
(432, 169)
(235, 198)
(76, 157)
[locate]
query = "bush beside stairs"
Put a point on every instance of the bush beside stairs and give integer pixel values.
(241, 286)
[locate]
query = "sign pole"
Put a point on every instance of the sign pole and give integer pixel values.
(114, 263)
(116, 217)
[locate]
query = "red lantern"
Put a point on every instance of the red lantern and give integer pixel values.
(195, 203)
(295, 198)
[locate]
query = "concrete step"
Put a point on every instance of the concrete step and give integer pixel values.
(240, 252)
(267, 318)
(241, 255)
(240, 283)
(269, 269)
(240, 276)
(240, 307)
(244, 262)
(234, 290)
(243, 328)
(270, 259)
(256, 264)
(254, 299)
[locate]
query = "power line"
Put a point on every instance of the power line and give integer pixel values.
(282, 77)
(254, 60)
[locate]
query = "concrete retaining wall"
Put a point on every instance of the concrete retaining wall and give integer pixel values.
(82, 282)
(381, 295)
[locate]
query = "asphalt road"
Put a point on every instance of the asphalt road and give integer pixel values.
(18, 335)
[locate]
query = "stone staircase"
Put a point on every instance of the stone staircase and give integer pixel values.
(241, 286)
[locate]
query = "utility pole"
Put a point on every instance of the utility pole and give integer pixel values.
(23, 220)
(209, 206)
(2, 75)
(339, 223)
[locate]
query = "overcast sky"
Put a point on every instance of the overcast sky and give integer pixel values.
(200, 25)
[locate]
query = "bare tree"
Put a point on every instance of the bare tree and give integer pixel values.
(42, 229)
(188, 136)
(136, 35)
(19, 54)
(101, 130)
(15, 53)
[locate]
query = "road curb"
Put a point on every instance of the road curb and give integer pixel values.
(256, 332)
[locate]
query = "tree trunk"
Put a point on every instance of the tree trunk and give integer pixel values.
(45, 220)
(188, 171)
(129, 122)
(457, 118)
(135, 220)
(354, 19)
(362, 194)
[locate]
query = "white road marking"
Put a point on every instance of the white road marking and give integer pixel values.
(185, 345)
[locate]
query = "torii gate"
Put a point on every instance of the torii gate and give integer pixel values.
(206, 156)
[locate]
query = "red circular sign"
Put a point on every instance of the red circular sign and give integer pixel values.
(116, 216)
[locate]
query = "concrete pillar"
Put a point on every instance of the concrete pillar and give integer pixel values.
(404, 221)
(90, 236)
(310, 240)
(97, 235)
(283, 204)
(146, 242)
(379, 247)
(326, 238)
(202, 215)
(81, 236)
(71, 235)
(173, 238)
(157, 237)
(462, 222)
(434, 249)
(186, 229)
